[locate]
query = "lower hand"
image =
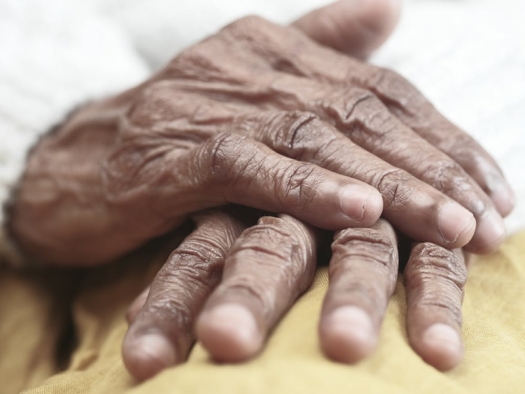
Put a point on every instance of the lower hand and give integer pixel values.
(265, 268)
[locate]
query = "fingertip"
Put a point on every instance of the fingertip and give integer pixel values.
(229, 332)
(504, 198)
(347, 335)
(490, 233)
(147, 355)
(442, 347)
(456, 225)
(362, 204)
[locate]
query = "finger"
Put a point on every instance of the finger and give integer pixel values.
(361, 116)
(232, 168)
(352, 26)
(411, 107)
(434, 279)
(369, 124)
(401, 98)
(363, 274)
(414, 207)
(268, 267)
(162, 332)
(137, 305)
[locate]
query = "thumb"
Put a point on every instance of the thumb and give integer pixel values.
(355, 27)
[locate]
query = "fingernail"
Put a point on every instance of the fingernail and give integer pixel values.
(445, 340)
(230, 332)
(491, 229)
(455, 222)
(356, 199)
(155, 347)
(503, 197)
(348, 334)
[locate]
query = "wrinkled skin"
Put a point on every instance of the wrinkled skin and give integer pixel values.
(266, 267)
(261, 116)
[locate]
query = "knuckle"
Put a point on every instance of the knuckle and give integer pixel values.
(189, 270)
(372, 245)
(385, 76)
(199, 260)
(445, 174)
(200, 62)
(310, 139)
(300, 135)
(272, 240)
(349, 109)
(220, 157)
(362, 114)
(251, 28)
(277, 47)
(292, 132)
(450, 178)
(299, 183)
(205, 247)
(272, 45)
(392, 86)
(277, 249)
(248, 22)
(395, 185)
(432, 262)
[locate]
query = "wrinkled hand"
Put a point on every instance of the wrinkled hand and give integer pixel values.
(257, 115)
(266, 268)
(273, 262)
(126, 169)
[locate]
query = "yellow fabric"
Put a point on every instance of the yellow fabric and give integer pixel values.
(494, 332)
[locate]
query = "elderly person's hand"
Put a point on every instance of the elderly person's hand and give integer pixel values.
(272, 263)
(265, 268)
(234, 119)
(257, 115)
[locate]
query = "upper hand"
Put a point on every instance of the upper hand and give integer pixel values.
(257, 115)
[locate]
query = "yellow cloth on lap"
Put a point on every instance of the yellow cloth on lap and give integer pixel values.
(494, 332)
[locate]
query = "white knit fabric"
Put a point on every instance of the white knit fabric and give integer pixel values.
(465, 55)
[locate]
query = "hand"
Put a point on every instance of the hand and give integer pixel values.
(161, 329)
(265, 268)
(251, 116)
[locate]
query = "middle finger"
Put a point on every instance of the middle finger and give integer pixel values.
(363, 274)
(268, 267)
